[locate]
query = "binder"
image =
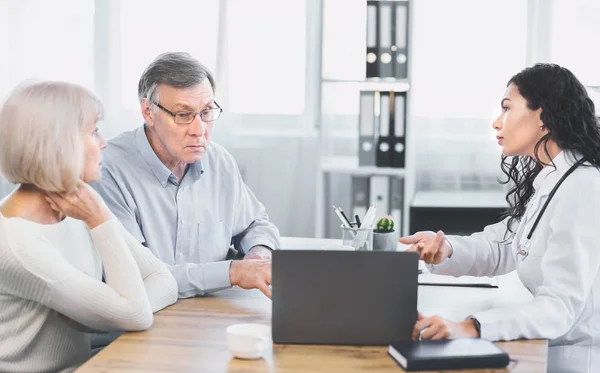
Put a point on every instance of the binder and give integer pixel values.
(372, 52)
(400, 47)
(360, 196)
(387, 39)
(379, 194)
(385, 36)
(398, 128)
(367, 135)
(383, 158)
(397, 201)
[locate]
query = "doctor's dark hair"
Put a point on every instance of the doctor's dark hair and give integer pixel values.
(567, 113)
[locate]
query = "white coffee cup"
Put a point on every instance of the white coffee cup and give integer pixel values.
(248, 341)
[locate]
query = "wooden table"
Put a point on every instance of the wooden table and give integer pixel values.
(190, 336)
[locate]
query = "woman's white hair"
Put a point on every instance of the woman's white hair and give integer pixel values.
(41, 128)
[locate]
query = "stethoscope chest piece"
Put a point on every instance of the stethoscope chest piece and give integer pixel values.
(524, 250)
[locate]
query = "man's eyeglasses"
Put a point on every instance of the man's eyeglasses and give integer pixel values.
(187, 117)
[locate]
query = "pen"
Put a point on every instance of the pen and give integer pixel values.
(357, 220)
(345, 217)
(342, 219)
(345, 222)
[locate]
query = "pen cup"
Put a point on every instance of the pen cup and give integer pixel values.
(359, 238)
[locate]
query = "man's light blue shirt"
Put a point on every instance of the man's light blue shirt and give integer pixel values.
(189, 225)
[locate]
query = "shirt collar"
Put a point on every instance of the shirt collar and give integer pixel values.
(549, 176)
(159, 169)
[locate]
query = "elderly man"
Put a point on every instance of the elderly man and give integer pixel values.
(181, 195)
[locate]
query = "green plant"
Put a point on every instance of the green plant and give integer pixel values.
(385, 225)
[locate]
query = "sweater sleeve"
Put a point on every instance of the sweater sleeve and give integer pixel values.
(160, 284)
(34, 269)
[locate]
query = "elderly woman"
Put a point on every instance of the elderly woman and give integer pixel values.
(57, 237)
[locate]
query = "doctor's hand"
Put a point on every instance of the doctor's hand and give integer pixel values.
(251, 274)
(435, 327)
(432, 247)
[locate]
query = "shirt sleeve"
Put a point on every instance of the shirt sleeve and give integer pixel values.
(487, 253)
(192, 278)
(201, 279)
(122, 207)
(568, 268)
(34, 269)
(251, 223)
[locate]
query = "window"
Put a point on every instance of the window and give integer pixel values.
(152, 27)
(344, 39)
(266, 56)
(4, 48)
(574, 38)
(464, 52)
(46, 40)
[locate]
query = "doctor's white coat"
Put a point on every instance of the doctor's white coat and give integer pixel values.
(561, 270)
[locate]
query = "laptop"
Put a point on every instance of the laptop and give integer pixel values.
(343, 297)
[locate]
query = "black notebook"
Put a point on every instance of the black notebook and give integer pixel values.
(463, 353)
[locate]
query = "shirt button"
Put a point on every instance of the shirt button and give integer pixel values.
(183, 222)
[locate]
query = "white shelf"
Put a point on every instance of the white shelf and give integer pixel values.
(330, 87)
(349, 165)
(376, 84)
(465, 199)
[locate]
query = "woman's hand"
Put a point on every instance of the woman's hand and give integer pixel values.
(435, 327)
(81, 204)
(432, 247)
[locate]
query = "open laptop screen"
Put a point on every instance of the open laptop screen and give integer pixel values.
(343, 297)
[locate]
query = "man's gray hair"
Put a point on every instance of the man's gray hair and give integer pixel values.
(176, 69)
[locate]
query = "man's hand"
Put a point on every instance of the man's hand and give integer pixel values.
(251, 274)
(259, 252)
(435, 327)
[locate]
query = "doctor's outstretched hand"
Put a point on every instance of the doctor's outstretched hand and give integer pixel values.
(432, 247)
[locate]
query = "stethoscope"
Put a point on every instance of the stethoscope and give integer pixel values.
(524, 249)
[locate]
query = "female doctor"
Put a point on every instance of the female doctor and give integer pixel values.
(551, 152)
